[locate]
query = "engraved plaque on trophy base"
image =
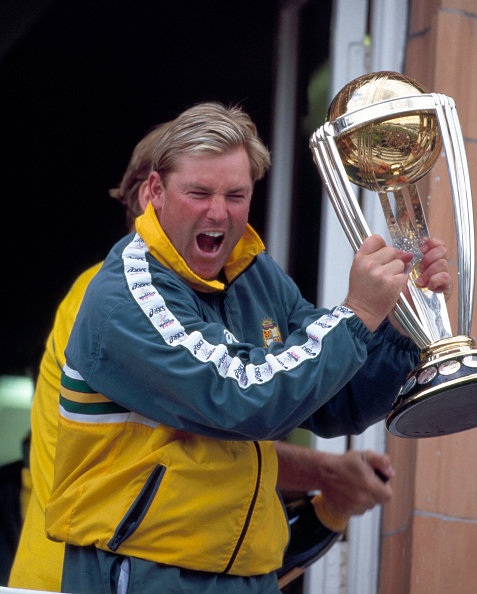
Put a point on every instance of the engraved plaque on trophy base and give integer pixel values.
(439, 395)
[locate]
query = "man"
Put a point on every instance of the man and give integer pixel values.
(165, 472)
(38, 562)
(347, 481)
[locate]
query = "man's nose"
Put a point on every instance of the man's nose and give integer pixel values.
(217, 210)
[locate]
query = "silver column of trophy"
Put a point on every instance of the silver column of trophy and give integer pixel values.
(384, 132)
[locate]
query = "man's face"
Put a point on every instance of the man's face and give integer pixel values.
(203, 207)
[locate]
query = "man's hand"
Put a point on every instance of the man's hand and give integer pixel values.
(377, 277)
(348, 482)
(434, 268)
(351, 485)
(434, 274)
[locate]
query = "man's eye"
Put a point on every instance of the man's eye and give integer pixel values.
(236, 196)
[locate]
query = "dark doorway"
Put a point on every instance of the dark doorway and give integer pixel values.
(82, 82)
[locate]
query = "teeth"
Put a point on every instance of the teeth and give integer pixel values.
(213, 233)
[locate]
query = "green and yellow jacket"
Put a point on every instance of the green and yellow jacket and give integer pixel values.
(174, 388)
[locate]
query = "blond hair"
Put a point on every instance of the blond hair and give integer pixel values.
(210, 128)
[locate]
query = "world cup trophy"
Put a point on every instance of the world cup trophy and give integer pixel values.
(384, 132)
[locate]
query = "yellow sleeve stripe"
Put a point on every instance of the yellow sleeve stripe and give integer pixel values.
(82, 397)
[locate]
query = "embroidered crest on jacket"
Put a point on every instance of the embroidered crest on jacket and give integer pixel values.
(271, 332)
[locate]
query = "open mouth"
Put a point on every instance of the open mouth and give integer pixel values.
(210, 241)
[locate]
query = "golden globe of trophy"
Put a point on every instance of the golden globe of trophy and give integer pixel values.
(384, 132)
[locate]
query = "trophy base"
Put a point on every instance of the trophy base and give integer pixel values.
(439, 396)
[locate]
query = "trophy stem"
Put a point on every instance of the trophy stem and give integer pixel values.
(463, 209)
(408, 230)
(431, 308)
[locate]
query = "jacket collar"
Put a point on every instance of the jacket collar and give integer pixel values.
(159, 245)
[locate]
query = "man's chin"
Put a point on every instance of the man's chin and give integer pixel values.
(207, 273)
(207, 267)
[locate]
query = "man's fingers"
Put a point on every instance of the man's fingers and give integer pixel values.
(372, 244)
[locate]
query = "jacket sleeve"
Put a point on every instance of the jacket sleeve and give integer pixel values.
(159, 358)
(370, 393)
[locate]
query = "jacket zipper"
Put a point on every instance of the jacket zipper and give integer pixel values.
(250, 510)
(138, 509)
(222, 310)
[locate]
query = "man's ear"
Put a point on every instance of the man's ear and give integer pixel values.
(155, 190)
(144, 195)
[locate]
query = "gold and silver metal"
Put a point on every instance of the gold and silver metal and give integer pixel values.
(384, 132)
